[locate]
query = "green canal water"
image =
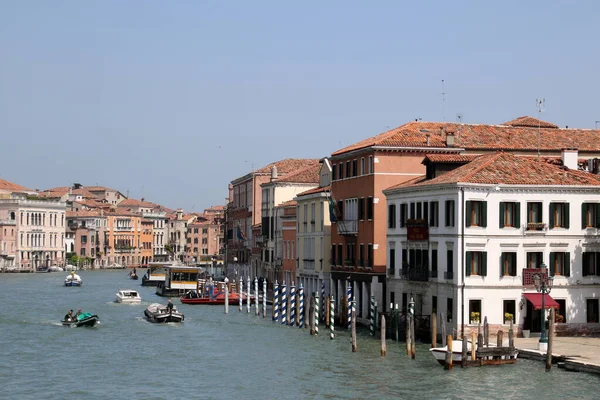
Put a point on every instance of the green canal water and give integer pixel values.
(217, 356)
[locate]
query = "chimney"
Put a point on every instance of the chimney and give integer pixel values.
(427, 136)
(273, 173)
(450, 139)
(569, 158)
(142, 199)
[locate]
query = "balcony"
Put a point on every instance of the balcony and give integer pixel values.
(528, 274)
(124, 228)
(434, 273)
(419, 274)
(449, 275)
(347, 227)
(535, 228)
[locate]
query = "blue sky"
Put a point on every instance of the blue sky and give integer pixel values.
(171, 100)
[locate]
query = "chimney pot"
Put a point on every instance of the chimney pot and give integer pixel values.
(450, 139)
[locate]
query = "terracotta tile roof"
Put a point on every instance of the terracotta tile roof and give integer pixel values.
(85, 193)
(12, 187)
(483, 137)
(506, 168)
(289, 203)
(136, 203)
(99, 189)
(94, 203)
(315, 190)
(83, 213)
(530, 122)
(310, 174)
(288, 165)
(55, 192)
(450, 158)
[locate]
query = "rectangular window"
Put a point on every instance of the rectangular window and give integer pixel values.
(426, 212)
(560, 264)
(354, 168)
(361, 255)
(83, 239)
(474, 311)
(341, 171)
(403, 215)
(559, 215)
(404, 301)
(508, 310)
(434, 304)
(449, 264)
(362, 166)
(449, 213)
(348, 171)
(534, 213)
(476, 263)
(476, 213)
(361, 208)
(562, 310)
(392, 216)
(449, 309)
(339, 255)
(413, 211)
(370, 255)
(591, 263)
(369, 208)
(590, 215)
(333, 172)
(434, 213)
(592, 311)
(534, 259)
(419, 210)
(510, 214)
(434, 263)
(392, 260)
(371, 165)
(508, 264)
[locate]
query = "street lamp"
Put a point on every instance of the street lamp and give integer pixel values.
(235, 268)
(543, 286)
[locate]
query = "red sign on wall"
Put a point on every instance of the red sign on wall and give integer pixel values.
(417, 230)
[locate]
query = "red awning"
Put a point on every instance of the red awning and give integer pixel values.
(536, 300)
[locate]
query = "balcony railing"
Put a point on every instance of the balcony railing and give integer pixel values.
(528, 274)
(420, 274)
(448, 274)
(434, 273)
(124, 228)
(347, 227)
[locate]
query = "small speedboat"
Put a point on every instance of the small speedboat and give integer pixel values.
(440, 352)
(128, 296)
(158, 313)
(73, 280)
(84, 319)
(55, 268)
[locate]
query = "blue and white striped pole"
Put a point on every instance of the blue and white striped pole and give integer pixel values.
(316, 314)
(292, 304)
(301, 300)
(264, 298)
(331, 317)
(240, 293)
(256, 295)
(283, 304)
(249, 301)
(349, 295)
(372, 316)
(323, 316)
(276, 302)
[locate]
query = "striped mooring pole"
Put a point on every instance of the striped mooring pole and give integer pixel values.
(249, 301)
(276, 302)
(323, 316)
(283, 304)
(316, 314)
(264, 298)
(372, 316)
(301, 311)
(292, 304)
(331, 317)
(349, 296)
(240, 292)
(256, 295)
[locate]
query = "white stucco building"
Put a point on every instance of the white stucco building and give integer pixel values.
(469, 240)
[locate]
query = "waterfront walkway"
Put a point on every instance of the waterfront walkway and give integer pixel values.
(572, 353)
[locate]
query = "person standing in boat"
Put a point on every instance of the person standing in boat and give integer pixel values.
(170, 306)
(69, 316)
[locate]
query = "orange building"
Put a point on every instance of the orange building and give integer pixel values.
(124, 238)
(146, 251)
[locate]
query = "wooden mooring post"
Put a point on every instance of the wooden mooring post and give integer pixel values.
(413, 342)
(550, 341)
(486, 332)
(443, 328)
(473, 345)
(448, 362)
(463, 359)
(433, 330)
(500, 339)
(353, 330)
(407, 330)
(511, 336)
(383, 344)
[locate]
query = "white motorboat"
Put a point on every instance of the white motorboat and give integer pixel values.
(73, 280)
(70, 267)
(440, 352)
(128, 296)
(159, 313)
(55, 268)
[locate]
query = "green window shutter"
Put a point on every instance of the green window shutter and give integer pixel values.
(586, 259)
(502, 210)
(597, 215)
(551, 219)
(597, 264)
(552, 265)
(566, 209)
(517, 215)
(468, 264)
(468, 216)
(502, 260)
(567, 264)
(484, 263)
(583, 215)
(484, 214)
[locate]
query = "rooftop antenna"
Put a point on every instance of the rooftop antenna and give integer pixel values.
(540, 107)
(443, 101)
(459, 117)
(597, 122)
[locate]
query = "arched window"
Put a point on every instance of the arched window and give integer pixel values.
(12, 215)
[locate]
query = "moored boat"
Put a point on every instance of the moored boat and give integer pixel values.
(128, 296)
(73, 280)
(159, 313)
(218, 298)
(55, 268)
(84, 319)
(509, 354)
